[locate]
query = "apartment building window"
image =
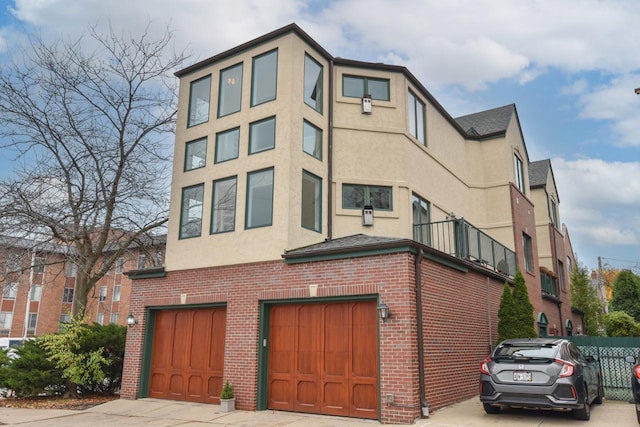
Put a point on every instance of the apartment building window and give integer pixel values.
(311, 201)
(223, 216)
(120, 265)
(312, 140)
(142, 262)
(519, 170)
(32, 322)
(70, 269)
(359, 86)
(38, 265)
(199, 98)
(264, 78)
(259, 198)
(100, 319)
(64, 319)
(116, 292)
(195, 155)
(421, 219)
(10, 291)
(561, 277)
(528, 252)
(262, 135)
(313, 83)
(230, 90)
(416, 113)
(227, 144)
(113, 318)
(191, 211)
(14, 263)
(35, 293)
(358, 196)
(103, 294)
(6, 317)
(554, 213)
(67, 295)
(159, 259)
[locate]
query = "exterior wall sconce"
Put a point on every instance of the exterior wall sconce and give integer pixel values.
(384, 312)
(131, 321)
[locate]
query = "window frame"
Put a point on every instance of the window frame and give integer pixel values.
(252, 132)
(366, 199)
(222, 93)
(214, 217)
(316, 202)
(318, 135)
(67, 294)
(255, 72)
(519, 172)
(217, 158)
(187, 157)
(183, 225)
(102, 293)
(113, 318)
(365, 87)
(191, 101)
(7, 320)
(38, 265)
(119, 265)
(417, 117)
(35, 293)
(10, 290)
(117, 293)
(527, 252)
(310, 83)
(249, 203)
(32, 321)
(421, 234)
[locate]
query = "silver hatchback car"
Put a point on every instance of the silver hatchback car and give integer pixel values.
(546, 373)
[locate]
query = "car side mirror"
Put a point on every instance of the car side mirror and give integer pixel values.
(630, 359)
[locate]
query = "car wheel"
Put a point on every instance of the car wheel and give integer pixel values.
(491, 409)
(584, 413)
(600, 395)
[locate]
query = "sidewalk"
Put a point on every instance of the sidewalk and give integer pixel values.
(166, 413)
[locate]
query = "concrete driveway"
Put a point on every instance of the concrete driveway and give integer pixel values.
(165, 413)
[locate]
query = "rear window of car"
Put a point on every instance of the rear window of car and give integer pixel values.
(537, 351)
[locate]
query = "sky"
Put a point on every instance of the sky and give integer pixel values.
(569, 66)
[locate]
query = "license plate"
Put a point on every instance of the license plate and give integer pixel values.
(522, 376)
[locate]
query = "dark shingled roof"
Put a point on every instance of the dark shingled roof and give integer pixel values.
(538, 173)
(358, 241)
(487, 122)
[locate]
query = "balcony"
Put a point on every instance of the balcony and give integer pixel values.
(458, 238)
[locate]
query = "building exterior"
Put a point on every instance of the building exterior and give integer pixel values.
(309, 194)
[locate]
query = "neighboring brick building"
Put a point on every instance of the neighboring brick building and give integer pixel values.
(311, 192)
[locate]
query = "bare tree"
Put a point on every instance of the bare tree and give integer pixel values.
(89, 129)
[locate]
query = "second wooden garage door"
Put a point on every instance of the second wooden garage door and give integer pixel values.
(323, 358)
(188, 354)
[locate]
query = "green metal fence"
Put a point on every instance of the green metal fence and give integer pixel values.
(611, 351)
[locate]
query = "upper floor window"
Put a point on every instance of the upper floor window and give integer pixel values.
(103, 293)
(120, 265)
(67, 295)
(227, 144)
(191, 211)
(262, 135)
(554, 213)
(223, 211)
(35, 293)
(70, 269)
(519, 170)
(199, 97)
(358, 87)
(311, 201)
(6, 318)
(312, 140)
(142, 261)
(230, 92)
(113, 318)
(420, 208)
(416, 112)
(100, 319)
(264, 78)
(116, 292)
(14, 263)
(32, 321)
(358, 196)
(528, 252)
(313, 83)
(195, 155)
(10, 290)
(561, 277)
(259, 199)
(38, 265)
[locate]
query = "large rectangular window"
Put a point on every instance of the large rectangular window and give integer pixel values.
(264, 78)
(554, 213)
(561, 277)
(223, 216)
(6, 318)
(38, 265)
(35, 293)
(519, 171)
(67, 295)
(259, 199)
(416, 112)
(10, 290)
(191, 211)
(100, 319)
(113, 318)
(116, 292)
(32, 322)
(358, 196)
(230, 90)
(420, 209)
(227, 144)
(528, 252)
(313, 83)
(199, 97)
(312, 140)
(358, 87)
(311, 201)
(262, 135)
(103, 294)
(195, 155)
(120, 265)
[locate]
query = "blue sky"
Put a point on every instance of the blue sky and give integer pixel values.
(570, 66)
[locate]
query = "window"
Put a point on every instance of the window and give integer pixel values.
(70, 269)
(542, 325)
(416, 113)
(33, 321)
(528, 252)
(264, 77)
(359, 196)
(159, 259)
(67, 295)
(313, 83)
(199, 96)
(230, 90)
(519, 172)
(65, 318)
(35, 293)
(116, 292)
(554, 213)
(113, 318)
(10, 290)
(6, 317)
(191, 211)
(223, 216)
(311, 202)
(259, 199)
(103, 293)
(142, 262)
(561, 275)
(312, 140)
(14, 263)
(358, 87)
(120, 265)
(100, 319)
(38, 265)
(195, 155)
(227, 143)
(420, 208)
(262, 135)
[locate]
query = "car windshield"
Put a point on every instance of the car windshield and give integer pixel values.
(529, 351)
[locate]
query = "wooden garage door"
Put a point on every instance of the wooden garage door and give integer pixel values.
(188, 354)
(323, 358)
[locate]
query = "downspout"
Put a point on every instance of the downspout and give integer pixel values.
(330, 157)
(421, 376)
(555, 261)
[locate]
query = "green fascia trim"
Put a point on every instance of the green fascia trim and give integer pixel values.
(343, 254)
(446, 261)
(147, 275)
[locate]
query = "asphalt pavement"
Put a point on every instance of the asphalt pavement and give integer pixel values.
(166, 413)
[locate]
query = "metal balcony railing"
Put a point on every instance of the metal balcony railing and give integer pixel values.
(459, 238)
